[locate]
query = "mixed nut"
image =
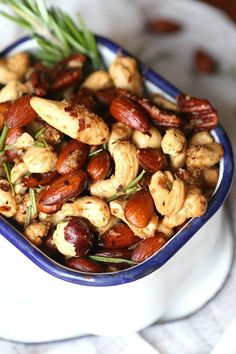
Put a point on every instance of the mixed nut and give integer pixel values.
(95, 172)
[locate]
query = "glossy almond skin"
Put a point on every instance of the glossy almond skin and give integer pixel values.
(106, 96)
(84, 265)
(20, 113)
(204, 62)
(72, 157)
(139, 208)
(127, 111)
(64, 188)
(116, 253)
(48, 209)
(148, 247)
(99, 166)
(78, 233)
(151, 159)
(38, 179)
(163, 26)
(12, 136)
(4, 106)
(119, 236)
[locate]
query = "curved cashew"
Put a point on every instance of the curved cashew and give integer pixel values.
(98, 80)
(195, 205)
(12, 90)
(95, 210)
(165, 230)
(18, 171)
(36, 231)
(24, 141)
(126, 169)
(117, 208)
(168, 194)
(174, 144)
(151, 139)
(8, 205)
(13, 67)
(203, 156)
(111, 222)
(72, 119)
(119, 131)
(201, 138)
(211, 176)
(40, 160)
(125, 74)
(53, 219)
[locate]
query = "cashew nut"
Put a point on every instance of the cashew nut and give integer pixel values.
(125, 74)
(117, 208)
(13, 67)
(36, 231)
(195, 205)
(119, 131)
(24, 141)
(18, 171)
(201, 138)
(73, 120)
(13, 90)
(98, 80)
(126, 169)
(40, 160)
(168, 193)
(211, 176)
(8, 205)
(151, 139)
(165, 230)
(95, 210)
(174, 144)
(203, 156)
(53, 219)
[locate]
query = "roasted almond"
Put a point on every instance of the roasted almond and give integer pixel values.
(125, 110)
(4, 106)
(64, 188)
(106, 96)
(139, 208)
(38, 179)
(146, 248)
(20, 113)
(72, 157)
(99, 166)
(84, 265)
(119, 236)
(204, 62)
(151, 159)
(163, 26)
(48, 209)
(12, 136)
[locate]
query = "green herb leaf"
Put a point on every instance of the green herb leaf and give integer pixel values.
(28, 215)
(3, 137)
(7, 169)
(111, 260)
(33, 201)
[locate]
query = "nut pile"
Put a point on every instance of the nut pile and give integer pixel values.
(93, 171)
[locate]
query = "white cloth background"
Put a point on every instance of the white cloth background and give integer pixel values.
(204, 27)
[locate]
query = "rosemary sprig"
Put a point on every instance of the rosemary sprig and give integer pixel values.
(7, 169)
(3, 137)
(28, 215)
(111, 259)
(130, 188)
(31, 209)
(95, 152)
(56, 33)
(39, 133)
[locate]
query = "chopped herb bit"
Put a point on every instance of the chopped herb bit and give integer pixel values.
(3, 137)
(28, 215)
(111, 260)
(39, 133)
(95, 152)
(7, 169)
(33, 201)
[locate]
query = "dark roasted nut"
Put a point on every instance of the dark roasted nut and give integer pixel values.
(84, 265)
(99, 166)
(64, 188)
(192, 177)
(12, 136)
(20, 113)
(106, 96)
(119, 236)
(85, 97)
(163, 26)
(48, 209)
(130, 113)
(72, 157)
(116, 253)
(139, 208)
(39, 80)
(151, 159)
(4, 107)
(146, 248)
(51, 135)
(38, 179)
(204, 62)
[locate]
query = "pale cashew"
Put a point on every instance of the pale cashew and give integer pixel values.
(13, 90)
(19, 189)
(165, 230)
(168, 193)
(95, 210)
(40, 160)
(174, 144)
(73, 120)
(24, 142)
(53, 219)
(201, 138)
(112, 222)
(203, 156)
(164, 102)
(195, 205)
(126, 169)
(211, 176)
(125, 74)
(8, 205)
(36, 231)
(98, 80)
(18, 171)
(119, 131)
(117, 208)
(14, 67)
(151, 139)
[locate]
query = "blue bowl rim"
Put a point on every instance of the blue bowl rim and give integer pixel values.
(174, 244)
